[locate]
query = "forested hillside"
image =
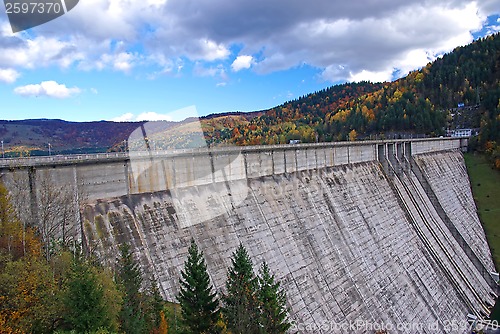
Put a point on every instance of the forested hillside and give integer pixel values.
(424, 102)
(459, 90)
(28, 137)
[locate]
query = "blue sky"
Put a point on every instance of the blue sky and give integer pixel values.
(142, 60)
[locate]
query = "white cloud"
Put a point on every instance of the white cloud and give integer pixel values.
(334, 73)
(123, 62)
(211, 71)
(365, 75)
(494, 28)
(210, 51)
(152, 116)
(8, 75)
(174, 116)
(145, 116)
(363, 36)
(414, 59)
(37, 52)
(166, 66)
(242, 62)
(47, 88)
(398, 43)
(127, 117)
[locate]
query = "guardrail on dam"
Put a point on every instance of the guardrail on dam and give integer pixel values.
(379, 234)
(107, 175)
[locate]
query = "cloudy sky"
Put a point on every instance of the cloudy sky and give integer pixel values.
(143, 59)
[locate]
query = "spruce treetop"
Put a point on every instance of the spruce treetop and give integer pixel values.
(199, 304)
(241, 306)
(272, 299)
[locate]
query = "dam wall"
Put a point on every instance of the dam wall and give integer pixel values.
(162, 170)
(345, 244)
(108, 175)
(350, 229)
(453, 192)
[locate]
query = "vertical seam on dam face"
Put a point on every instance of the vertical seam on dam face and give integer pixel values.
(328, 219)
(448, 272)
(480, 266)
(212, 166)
(127, 172)
(33, 195)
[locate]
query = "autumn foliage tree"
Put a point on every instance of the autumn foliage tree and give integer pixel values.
(15, 239)
(68, 291)
(353, 135)
(163, 327)
(28, 296)
(29, 300)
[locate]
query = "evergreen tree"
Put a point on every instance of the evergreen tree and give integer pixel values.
(113, 298)
(84, 299)
(130, 279)
(272, 300)
(240, 303)
(200, 307)
(155, 305)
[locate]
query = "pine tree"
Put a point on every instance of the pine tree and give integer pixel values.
(130, 280)
(272, 300)
(84, 299)
(155, 305)
(241, 309)
(200, 307)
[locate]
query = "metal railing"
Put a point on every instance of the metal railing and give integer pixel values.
(92, 157)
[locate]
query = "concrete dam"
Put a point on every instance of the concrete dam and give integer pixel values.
(364, 236)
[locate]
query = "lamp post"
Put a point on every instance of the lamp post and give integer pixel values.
(49, 149)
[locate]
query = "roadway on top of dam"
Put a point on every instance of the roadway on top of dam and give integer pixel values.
(71, 159)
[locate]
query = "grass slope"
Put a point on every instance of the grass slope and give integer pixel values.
(485, 182)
